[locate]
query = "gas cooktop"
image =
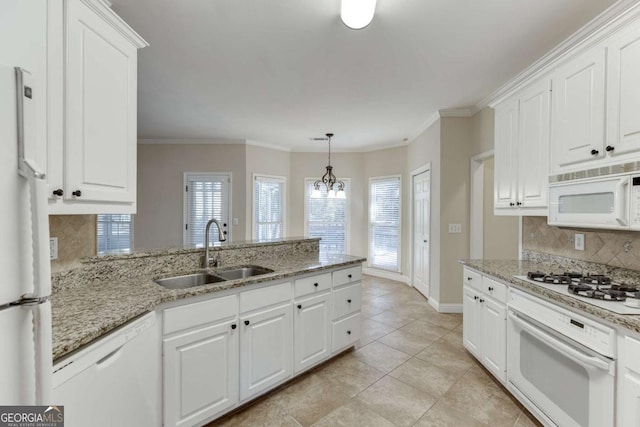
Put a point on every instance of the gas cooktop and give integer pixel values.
(593, 289)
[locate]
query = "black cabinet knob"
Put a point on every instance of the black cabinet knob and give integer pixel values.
(348, 332)
(490, 288)
(299, 306)
(224, 225)
(469, 278)
(481, 300)
(594, 152)
(349, 276)
(475, 297)
(315, 284)
(77, 193)
(246, 322)
(234, 326)
(512, 204)
(610, 148)
(58, 192)
(224, 232)
(349, 301)
(519, 203)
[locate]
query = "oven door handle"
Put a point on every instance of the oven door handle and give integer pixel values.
(621, 213)
(559, 345)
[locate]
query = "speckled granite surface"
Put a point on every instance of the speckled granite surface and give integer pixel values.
(506, 269)
(123, 287)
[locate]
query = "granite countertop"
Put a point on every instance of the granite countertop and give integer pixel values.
(84, 313)
(506, 269)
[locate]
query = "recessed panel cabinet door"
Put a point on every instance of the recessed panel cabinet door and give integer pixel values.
(471, 321)
(266, 350)
(506, 154)
(312, 331)
(100, 152)
(494, 343)
(623, 92)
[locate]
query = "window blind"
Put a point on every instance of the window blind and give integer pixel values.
(207, 196)
(268, 207)
(384, 223)
(327, 218)
(114, 234)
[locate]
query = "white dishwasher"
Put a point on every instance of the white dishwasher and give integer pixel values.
(114, 381)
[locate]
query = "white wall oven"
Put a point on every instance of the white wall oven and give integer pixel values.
(561, 365)
(611, 202)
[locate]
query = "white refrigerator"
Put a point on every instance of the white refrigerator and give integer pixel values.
(25, 272)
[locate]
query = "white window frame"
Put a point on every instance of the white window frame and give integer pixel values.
(185, 200)
(347, 185)
(112, 252)
(370, 224)
(271, 178)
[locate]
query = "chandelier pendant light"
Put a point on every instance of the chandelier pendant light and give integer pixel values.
(329, 180)
(357, 14)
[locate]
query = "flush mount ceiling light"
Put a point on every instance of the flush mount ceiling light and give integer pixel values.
(329, 180)
(357, 14)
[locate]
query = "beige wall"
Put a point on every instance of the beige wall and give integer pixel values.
(483, 131)
(161, 168)
(265, 161)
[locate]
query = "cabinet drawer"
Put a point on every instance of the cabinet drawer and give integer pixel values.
(347, 300)
(313, 284)
(631, 351)
(346, 332)
(496, 290)
(347, 275)
(472, 278)
(199, 313)
(264, 297)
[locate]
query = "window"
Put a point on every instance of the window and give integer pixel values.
(206, 197)
(327, 218)
(114, 234)
(268, 207)
(384, 222)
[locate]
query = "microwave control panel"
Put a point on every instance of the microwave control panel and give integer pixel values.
(634, 203)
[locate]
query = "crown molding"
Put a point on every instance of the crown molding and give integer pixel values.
(602, 26)
(459, 112)
(267, 145)
(103, 9)
(186, 141)
(423, 127)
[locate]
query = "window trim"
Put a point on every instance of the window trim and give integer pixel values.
(266, 177)
(185, 201)
(369, 240)
(131, 236)
(348, 189)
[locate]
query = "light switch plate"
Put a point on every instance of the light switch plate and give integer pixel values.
(235, 221)
(579, 241)
(455, 228)
(53, 248)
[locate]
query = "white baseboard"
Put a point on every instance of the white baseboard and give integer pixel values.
(386, 275)
(445, 308)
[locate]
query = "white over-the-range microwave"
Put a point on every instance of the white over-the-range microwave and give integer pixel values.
(609, 201)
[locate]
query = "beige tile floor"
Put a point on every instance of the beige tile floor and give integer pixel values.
(409, 369)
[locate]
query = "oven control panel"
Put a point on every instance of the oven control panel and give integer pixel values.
(587, 332)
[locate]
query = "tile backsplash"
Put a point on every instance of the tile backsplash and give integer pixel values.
(614, 248)
(76, 239)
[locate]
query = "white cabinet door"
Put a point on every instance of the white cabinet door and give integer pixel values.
(493, 337)
(533, 146)
(578, 111)
(628, 401)
(471, 318)
(506, 154)
(312, 331)
(200, 374)
(101, 86)
(266, 355)
(623, 92)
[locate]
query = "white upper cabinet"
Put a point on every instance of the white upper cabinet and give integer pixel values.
(522, 152)
(623, 93)
(579, 110)
(93, 153)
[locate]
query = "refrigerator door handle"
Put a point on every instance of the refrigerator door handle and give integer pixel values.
(27, 147)
(43, 352)
(40, 234)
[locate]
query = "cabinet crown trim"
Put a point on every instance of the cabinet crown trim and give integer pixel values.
(103, 9)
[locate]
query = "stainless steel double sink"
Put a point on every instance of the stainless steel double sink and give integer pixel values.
(208, 277)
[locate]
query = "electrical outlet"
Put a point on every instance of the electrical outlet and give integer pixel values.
(579, 242)
(235, 221)
(455, 228)
(53, 248)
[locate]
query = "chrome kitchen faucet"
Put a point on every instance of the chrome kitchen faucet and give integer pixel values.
(221, 237)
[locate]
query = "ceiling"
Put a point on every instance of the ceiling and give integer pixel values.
(278, 72)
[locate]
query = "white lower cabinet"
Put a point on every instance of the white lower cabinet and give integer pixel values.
(265, 350)
(484, 331)
(628, 402)
(312, 331)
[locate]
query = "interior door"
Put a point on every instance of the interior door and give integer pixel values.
(421, 227)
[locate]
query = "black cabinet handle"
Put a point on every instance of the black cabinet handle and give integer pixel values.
(349, 301)
(594, 152)
(610, 148)
(490, 288)
(315, 284)
(234, 326)
(246, 322)
(299, 306)
(58, 192)
(77, 193)
(348, 332)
